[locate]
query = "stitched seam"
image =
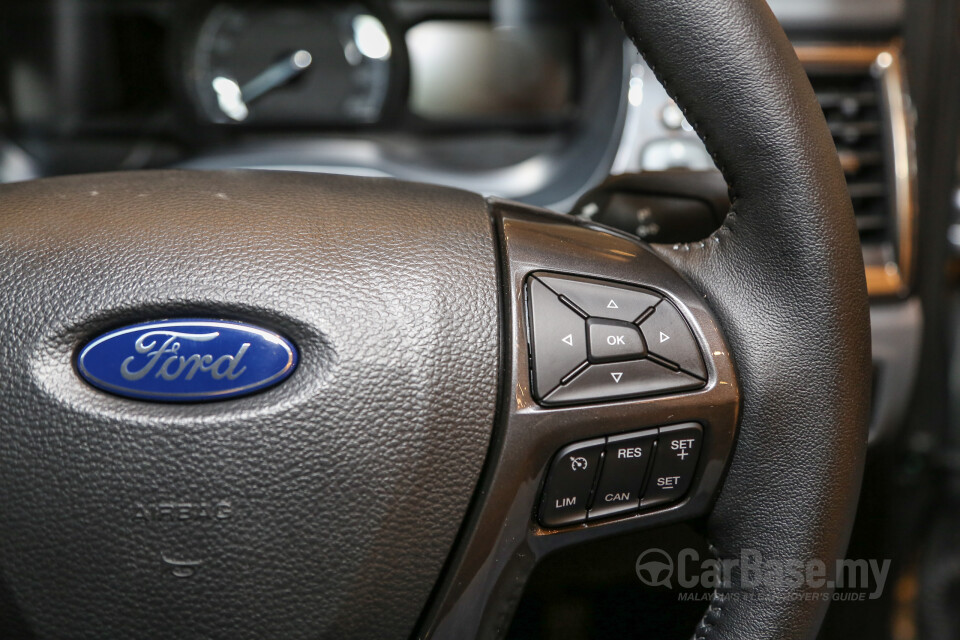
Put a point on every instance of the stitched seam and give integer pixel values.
(713, 612)
(711, 617)
(730, 218)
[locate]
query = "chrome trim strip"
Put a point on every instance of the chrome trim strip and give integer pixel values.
(893, 277)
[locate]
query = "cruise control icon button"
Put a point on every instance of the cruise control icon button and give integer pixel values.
(567, 489)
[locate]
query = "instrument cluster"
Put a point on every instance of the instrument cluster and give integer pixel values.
(293, 64)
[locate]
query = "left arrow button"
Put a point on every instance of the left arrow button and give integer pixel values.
(558, 338)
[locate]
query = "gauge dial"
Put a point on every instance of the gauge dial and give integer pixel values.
(291, 64)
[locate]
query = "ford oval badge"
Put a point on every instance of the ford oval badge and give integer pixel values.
(187, 360)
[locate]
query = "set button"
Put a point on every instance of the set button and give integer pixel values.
(593, 340)
(678, 450)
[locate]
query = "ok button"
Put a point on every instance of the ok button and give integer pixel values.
(611, 340)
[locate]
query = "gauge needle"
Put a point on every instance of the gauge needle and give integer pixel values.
(276, 75)
(234, 100)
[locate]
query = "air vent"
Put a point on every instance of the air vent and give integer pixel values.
(852, 103)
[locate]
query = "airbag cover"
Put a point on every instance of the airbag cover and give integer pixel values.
(321, 507)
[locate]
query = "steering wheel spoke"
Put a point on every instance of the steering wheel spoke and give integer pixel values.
(554, 462)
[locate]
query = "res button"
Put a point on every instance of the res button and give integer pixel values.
(624, 464)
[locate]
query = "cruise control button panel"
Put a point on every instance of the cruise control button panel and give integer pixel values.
(620, 475)
(594, 341)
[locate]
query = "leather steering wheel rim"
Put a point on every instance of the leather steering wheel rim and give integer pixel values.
(784, 274)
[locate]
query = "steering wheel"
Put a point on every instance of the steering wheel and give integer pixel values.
(425, 452)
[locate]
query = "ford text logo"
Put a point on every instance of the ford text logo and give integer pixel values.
(187, 360)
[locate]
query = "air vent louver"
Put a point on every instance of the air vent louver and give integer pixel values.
(851, 101)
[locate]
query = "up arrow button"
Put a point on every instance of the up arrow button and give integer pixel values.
(671, 339)
(601, 299)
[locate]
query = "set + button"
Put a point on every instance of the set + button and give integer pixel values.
(678, 450)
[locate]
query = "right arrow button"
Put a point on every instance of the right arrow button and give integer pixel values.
(669, 337)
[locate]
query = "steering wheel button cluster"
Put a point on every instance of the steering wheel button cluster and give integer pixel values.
(625, 461)
(669, 337)
(559, 342)
(571, 479)
(612, 340)
(583, 485)
(600, 299)
(586, 345)
(678, 450)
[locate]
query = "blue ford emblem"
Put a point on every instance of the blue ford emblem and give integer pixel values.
(187, 360)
